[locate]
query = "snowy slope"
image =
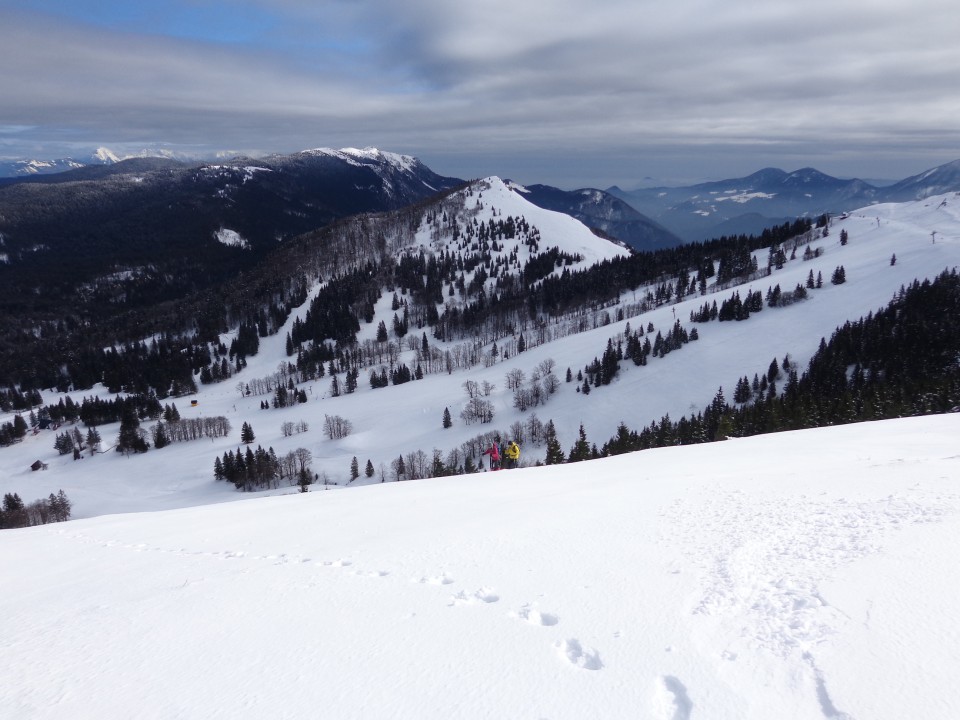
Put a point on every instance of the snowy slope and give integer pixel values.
(401, 419)
(797, 576)
(557, 229)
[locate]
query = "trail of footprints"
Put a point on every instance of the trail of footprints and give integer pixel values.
(670, 698)
(570, 649)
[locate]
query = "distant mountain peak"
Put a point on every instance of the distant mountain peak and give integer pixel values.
(364, 156)
(105, 155)
(943, 178)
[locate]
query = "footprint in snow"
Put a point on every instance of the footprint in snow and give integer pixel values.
(441, 579)
(576, 654)
(484, 595)
(335, 563)
(372, 573)
(671, 700)
(533, 616)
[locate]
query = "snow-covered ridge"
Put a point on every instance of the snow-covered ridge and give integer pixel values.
(37, 167)
(105, 155)
(231, 238)
(743, 197)
(355, 156)
(492, 199)
(245, 173)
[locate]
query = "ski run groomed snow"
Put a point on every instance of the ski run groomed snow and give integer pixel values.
(806, 575)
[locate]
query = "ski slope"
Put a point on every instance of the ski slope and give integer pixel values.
(799, 576)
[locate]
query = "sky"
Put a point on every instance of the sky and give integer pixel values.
(623, 92)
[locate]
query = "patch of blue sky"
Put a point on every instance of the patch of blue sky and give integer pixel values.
(214, 21)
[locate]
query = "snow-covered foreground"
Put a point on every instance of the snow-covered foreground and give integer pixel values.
(800, 575)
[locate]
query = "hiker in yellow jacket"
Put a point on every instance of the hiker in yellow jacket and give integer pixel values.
(512, 454)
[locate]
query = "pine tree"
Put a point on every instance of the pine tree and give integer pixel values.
(554, 452)
(246, 434)
(304, 480)
(160, 438)
(893, 259)
(93, 439)
(131, 438)
(581, 448)
(368, 471)
(14, 513)
(63, 444)
(60, 506)
(19, 426)
(447, 420)
(354, 469)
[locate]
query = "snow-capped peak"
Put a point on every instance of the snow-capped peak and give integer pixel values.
(363, 156)
(105, 155)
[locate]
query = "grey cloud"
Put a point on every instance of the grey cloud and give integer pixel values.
(616, 85)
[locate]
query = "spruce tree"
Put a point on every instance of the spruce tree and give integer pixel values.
(93, 439)
(160, 438)
(368, 471)
(447, 420)
(354, 469)
(246, 434)
(581, 448)
(131, 438)
(554, 452)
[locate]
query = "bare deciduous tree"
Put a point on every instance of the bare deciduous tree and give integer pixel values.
(336, 427)
(515, 378)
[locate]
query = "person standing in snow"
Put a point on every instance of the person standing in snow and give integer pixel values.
(512, 453)
(494, 452)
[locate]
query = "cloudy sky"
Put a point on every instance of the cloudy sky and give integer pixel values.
(564, 92)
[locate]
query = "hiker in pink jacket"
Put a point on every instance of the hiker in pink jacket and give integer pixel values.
(494, 452)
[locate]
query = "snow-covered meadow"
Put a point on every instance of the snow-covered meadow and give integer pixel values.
(798, 575)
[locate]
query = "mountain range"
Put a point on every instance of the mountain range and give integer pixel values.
(772, 196)
(644, 219)
(177, 228)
